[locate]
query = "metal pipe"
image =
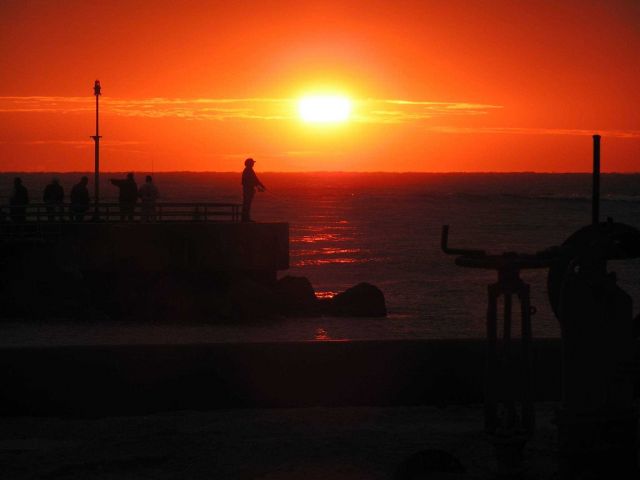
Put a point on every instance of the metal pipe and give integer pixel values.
(595, 194)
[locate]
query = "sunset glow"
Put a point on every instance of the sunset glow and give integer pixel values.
(461, 85)
(324, 109)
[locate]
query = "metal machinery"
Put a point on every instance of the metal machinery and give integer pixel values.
(509, 416)
(597, 421)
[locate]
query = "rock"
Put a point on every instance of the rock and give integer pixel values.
(362, 300)
(295, 297)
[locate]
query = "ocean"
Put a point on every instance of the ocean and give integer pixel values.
(384, 228)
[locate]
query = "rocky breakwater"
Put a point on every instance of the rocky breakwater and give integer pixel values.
(295, 297)
(361, 300)
(173, 272)
(173, 297)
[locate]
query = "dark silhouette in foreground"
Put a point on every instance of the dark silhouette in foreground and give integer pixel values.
(598, 419)
(18, 201)
(127, 197)
(79, 200)
(148, 194)
(53, 197)
(250, 184)
(430, 464)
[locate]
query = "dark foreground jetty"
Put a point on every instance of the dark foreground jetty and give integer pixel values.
(598, 417)
(93, 381)
(185, 259)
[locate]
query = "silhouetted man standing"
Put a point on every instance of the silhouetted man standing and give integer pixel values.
(18, 201)
(53, 197)
(128, 196)
(250, 183)
(79, 200)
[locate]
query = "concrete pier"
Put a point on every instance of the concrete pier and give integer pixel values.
(106, 380)
(152, 247)
(137, 269)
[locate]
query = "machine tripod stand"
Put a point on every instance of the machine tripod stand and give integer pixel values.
(509, 416)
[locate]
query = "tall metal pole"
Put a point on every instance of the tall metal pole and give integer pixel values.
(96, 138)
(595, 194)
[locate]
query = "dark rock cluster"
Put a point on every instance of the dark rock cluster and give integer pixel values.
(361, 300)
(63, 291)
(295, 297)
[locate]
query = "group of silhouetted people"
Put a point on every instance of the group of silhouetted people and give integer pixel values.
(79, 199)
(53, 198)
(129, 193)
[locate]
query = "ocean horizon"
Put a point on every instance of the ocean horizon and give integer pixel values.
(384, 228)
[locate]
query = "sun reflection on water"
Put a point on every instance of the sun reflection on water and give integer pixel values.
(320, 237)
(325, 294)
(333, 251)
(326, 235)
(321, 334)
(325, 261)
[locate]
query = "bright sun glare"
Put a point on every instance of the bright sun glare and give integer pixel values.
(324, 109)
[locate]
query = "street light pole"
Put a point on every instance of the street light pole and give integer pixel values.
(96, 138)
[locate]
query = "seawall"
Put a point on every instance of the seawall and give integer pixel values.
(88, 381)
(151, 247)
(72, 270)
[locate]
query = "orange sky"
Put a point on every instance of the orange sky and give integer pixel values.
(447, 85)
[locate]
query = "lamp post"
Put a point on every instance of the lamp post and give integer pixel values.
(96, 139)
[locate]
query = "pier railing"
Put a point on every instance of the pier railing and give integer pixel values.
(38, 213)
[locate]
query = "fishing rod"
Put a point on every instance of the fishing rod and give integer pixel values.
(277, 197)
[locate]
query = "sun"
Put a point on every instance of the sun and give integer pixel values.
(324, 108)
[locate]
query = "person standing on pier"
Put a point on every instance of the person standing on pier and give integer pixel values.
(79, 200)
(250, 183)
(128, 196)
(18, 201)
(53, 197)
(148, 194)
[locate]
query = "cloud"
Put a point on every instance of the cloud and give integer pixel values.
(195, 109)
(80, 142)
(404, 111)
(536, 131)
(46, 104)
(121, 145)
(373, 111)
(221, 109)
